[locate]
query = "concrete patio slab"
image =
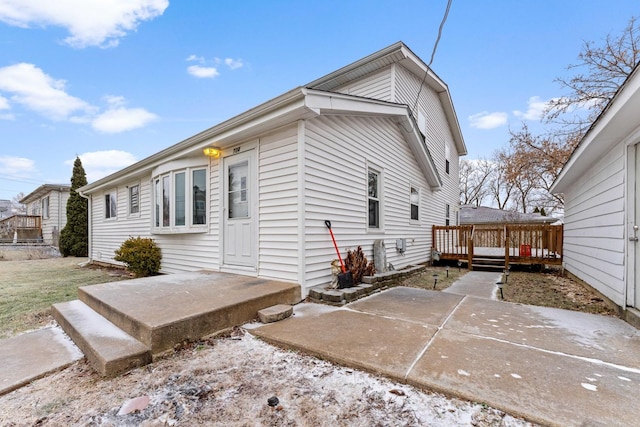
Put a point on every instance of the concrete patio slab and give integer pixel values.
(431, 308)
(550, 366)
(599, 337)
(542, 386)
(359, 340)
(33, 355)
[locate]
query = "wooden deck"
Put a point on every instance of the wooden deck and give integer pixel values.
(516, 244)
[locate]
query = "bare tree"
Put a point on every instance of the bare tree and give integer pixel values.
(17, 207)
(501, 188)
(599, 73)
(475, 177)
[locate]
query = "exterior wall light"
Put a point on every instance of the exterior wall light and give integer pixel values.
(211, 152)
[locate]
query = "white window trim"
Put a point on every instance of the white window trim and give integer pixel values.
(415, 187)
(189, 227)
(109, 193)
(380, 171)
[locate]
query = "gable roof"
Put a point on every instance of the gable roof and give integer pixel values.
(618, 122)
(306, 102)
(396, 53)
(470, 214)
(43, 190)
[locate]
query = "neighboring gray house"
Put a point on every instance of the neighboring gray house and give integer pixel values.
(251, 194)
(49, 201)
(482, 215)
(601, 187)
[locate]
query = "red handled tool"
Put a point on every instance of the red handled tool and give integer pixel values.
(345, 280)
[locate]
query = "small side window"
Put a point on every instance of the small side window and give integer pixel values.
(374, 198)
(110, 205)
(414, 200)
(134, 199)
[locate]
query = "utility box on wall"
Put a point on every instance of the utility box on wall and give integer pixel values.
(401, 245)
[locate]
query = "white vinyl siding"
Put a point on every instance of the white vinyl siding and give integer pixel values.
(278, 205)
(336, 189)
(180, 252)
(57, 215)
(594, 240)
(439, 140)
(377, 86)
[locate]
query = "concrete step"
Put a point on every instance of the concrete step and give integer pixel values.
(163, 311)
(109, 349)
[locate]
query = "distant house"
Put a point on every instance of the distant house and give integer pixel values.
(5, 208)
(486, 216)
(601, 187)
(49, 201)
(373, 147)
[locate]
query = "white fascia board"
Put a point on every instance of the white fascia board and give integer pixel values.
(613, 126)
(284, 107)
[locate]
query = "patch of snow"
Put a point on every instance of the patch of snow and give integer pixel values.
(624, 378)
(516, 376)
(61, 338)
(589, 387)
(463, 373)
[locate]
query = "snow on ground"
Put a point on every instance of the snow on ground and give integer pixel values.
(228, 381)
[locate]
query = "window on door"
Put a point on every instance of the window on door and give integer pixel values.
(238, 201)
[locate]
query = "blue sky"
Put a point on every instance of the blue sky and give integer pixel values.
(117, 81)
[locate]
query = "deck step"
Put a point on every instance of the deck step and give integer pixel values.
(109, 349)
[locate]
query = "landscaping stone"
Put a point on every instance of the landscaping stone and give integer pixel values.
(333, 296)
(275, 313)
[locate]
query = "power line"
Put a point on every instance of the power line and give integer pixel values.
(433, 53)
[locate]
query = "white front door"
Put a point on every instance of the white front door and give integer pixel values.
(240, 210)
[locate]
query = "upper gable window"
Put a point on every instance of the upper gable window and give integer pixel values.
(414, 201)
(422, 122)
(447, 157)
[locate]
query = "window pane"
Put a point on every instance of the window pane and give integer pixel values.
(238, 197)
(373, 185)
(179, 191)
(199, 197)
(157, 199)
(414, 201)
(114, 205)
(107, 206)
(166, 201)
(374, 218)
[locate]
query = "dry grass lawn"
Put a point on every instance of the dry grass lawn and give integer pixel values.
(29, 287)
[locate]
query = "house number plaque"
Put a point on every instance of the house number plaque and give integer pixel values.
(236, 150)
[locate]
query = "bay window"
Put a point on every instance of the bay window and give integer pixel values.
(180, 200)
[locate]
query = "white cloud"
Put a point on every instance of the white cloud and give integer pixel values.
(234, 63)
(37, 91)
(197, 58)
(202, 72)
(486, 120)
(89, 22)
(29, 86)
(121, 119)
(98, 164)
(17, 166)
(535, 110)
